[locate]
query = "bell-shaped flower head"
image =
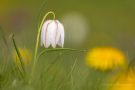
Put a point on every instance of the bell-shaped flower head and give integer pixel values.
(52, 33)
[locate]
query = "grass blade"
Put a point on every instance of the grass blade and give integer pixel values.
(21, 66)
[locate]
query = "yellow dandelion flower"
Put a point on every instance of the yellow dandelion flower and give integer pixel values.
(125, 81)
(25, 54)
(105, 58)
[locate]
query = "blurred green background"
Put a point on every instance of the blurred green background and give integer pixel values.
(108, 22)
(88, 24)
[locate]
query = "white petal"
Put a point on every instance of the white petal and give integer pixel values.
(61, 30)
(52, 30)
(44, 38)
(44, 28)
(47, 38)
(57, 37)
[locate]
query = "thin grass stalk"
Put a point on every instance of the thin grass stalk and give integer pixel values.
(21, 65)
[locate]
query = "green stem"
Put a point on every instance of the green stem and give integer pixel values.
(37, 41)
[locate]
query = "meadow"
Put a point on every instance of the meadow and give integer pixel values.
(67, 45)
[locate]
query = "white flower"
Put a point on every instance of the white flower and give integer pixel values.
(52, 34)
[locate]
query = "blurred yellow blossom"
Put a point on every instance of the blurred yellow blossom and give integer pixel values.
(25, 54)
(124, 81)
(105, 58)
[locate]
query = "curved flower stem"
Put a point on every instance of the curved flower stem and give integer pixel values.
(37, 42)
(58, 49)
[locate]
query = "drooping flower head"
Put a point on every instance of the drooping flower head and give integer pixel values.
(105, 58)
(52, 34)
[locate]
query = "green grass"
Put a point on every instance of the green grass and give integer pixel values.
(111, 23)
